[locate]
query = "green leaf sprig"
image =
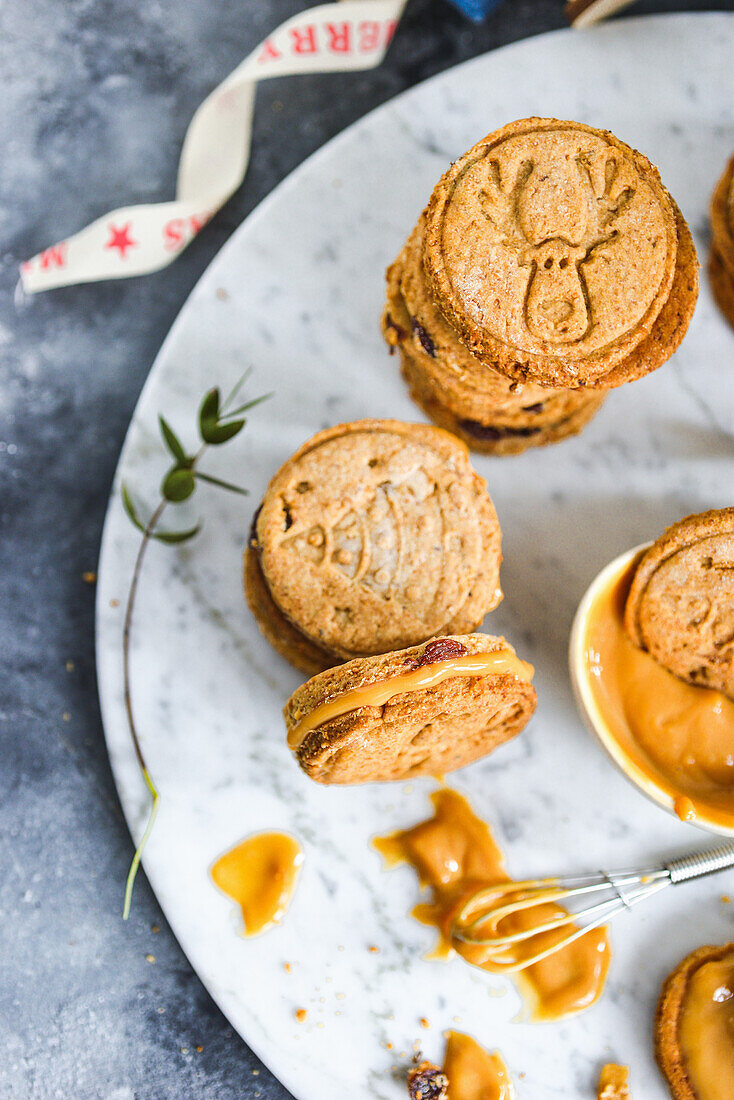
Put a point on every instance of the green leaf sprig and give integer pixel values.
(218, 422)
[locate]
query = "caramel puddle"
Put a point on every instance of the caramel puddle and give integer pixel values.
(454, 854)
(675, 734)
(260, 875)
(474, 1073)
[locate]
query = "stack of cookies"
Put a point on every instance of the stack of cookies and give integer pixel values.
(550, 265)
(721, 261)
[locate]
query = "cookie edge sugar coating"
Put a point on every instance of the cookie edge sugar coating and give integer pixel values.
(509, 441)
(686, 532)
(283, 636)
(360, 728)
(546, 370)
(481, 597)
(668, 1054)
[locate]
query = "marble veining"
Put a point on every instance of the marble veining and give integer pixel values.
(297, 294)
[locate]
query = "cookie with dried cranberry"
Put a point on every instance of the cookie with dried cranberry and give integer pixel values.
(492, 414)
(424, 710)
(494, 435)
(376, 534)
(680, 606)
(557, 255)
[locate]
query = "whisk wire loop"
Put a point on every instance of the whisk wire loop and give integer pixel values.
(478, 921)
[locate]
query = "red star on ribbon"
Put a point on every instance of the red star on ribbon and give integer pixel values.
(120, 238)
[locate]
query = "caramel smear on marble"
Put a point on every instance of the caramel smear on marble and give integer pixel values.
(455, 856)
(260, 874)
(676, 734)
(614, 1083)
(473, 1073)
(706, 1030)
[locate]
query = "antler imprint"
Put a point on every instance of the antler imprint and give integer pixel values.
(557, 308)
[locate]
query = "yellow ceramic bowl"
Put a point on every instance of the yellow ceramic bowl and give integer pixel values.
(588, 705)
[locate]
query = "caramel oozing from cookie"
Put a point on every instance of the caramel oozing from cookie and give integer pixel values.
(416, 679)
(454, 855)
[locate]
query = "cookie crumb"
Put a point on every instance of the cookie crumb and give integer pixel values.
(373, 949)
(301, 1014)
(726, 900)
(614, 1083)
(287, 967)
(199, 1049)
(89, 577)
(150, 958)
(69, 666)
(424, 1022)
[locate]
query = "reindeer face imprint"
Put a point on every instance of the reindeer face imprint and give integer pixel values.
(554, 234)
(555, 243)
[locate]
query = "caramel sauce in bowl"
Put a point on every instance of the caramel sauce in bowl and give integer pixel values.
(672, 739)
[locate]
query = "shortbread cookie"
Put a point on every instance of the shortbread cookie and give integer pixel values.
(721, 260)
(694, 1025)
(558, 256)
(374, 535)
(680, 606)
(425, 710)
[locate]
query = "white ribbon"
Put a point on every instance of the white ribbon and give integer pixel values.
(134, 240)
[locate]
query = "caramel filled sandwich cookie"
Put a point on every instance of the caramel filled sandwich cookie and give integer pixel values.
(558, 257)
(694, 1025)
(424, 710)
(680, 606)
(375, 535)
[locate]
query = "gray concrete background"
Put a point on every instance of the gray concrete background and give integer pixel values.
(95, 96)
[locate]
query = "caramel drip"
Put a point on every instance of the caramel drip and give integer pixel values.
(706, 1030)
(473, 1073)
(376, 695)
(260, 874)
(454, 854)
(676, 734)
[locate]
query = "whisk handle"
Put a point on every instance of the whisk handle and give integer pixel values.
(701, 863)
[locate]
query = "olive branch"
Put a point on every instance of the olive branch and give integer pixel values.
(218, 422)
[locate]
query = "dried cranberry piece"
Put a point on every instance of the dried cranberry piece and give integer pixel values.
(426, 342)
(490, 433)
(397, 329)
(252, 538)
(537, 408)
(441, 649)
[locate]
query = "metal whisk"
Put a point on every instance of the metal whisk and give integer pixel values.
(607, 893)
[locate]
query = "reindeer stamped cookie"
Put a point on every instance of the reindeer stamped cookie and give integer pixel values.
(375, 535)
(490, 412)
(558, 256)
